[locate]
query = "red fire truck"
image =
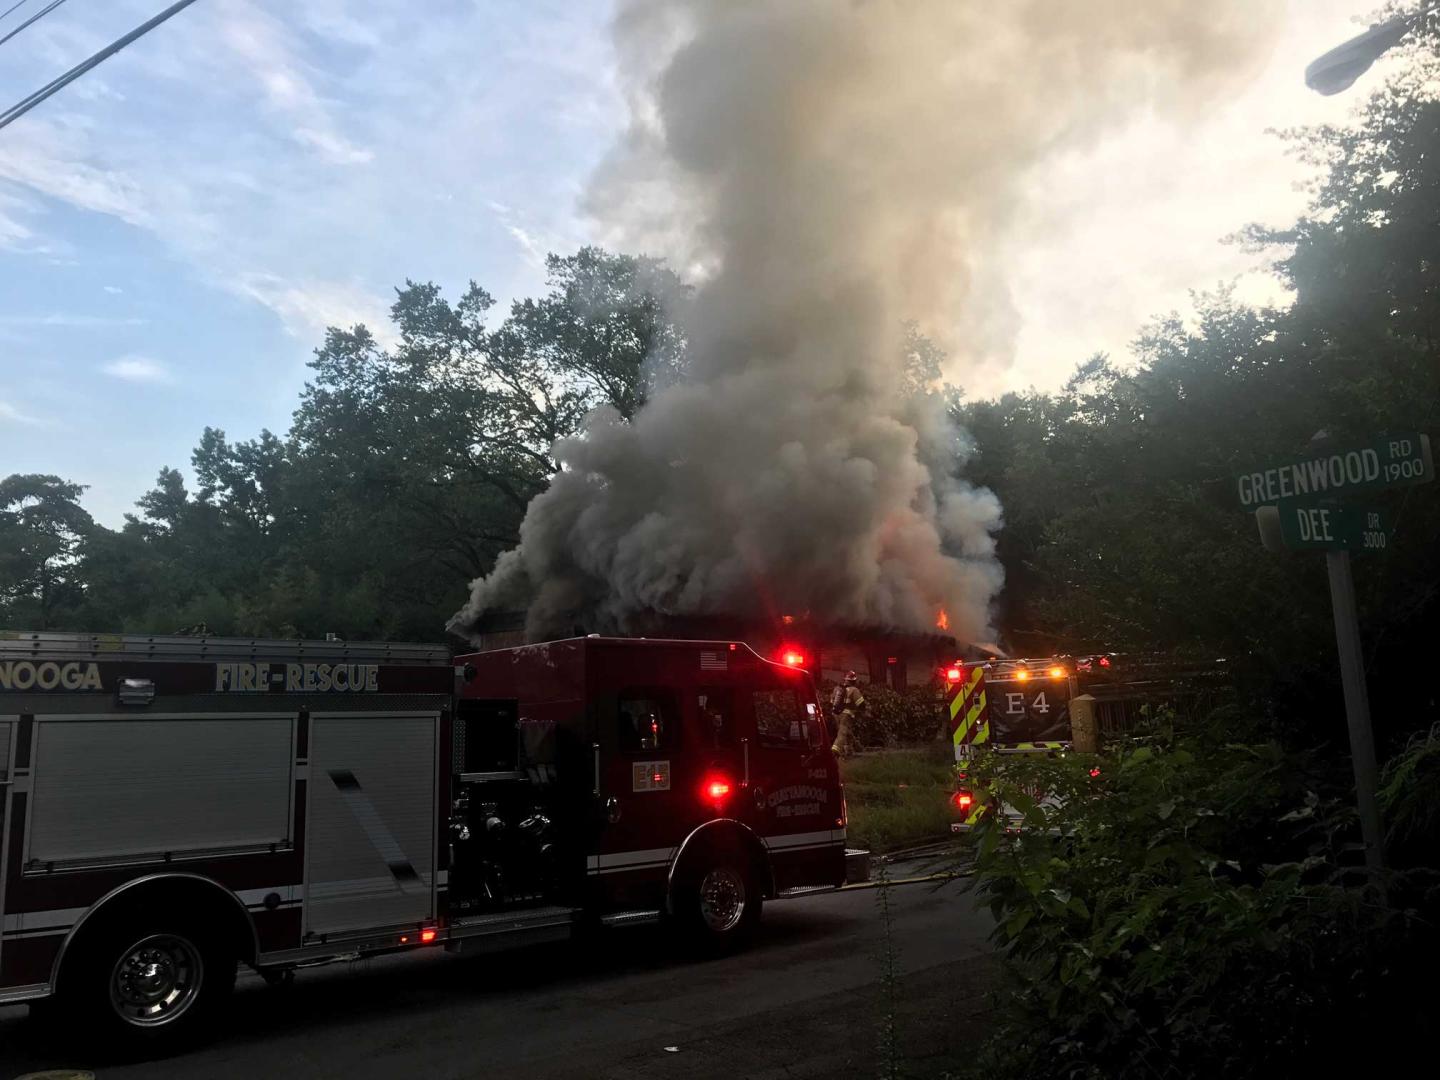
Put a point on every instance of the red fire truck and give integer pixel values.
(171, 807)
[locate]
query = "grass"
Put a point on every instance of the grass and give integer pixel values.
(898, 798)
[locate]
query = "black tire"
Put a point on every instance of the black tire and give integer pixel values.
(149, 984)
(716, 902)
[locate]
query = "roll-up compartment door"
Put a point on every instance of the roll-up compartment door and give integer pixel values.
(370, 824)
(109, 787)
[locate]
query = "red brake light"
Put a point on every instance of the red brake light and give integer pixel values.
(427, 936)
(952, 674)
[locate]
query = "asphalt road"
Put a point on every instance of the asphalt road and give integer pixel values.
(807, 999)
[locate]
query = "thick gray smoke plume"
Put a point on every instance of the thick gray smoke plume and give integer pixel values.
(827, 171)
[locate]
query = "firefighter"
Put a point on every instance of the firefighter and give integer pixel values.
(845, 704)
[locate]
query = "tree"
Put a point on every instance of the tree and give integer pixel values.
(42, 531)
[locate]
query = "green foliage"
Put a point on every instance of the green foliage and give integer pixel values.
(898, 798)
(1410, 801)
(42, 533)
(1187, 913)
(899, 717)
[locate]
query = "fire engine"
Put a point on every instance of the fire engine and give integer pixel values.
(171, 807)
(1010, 707)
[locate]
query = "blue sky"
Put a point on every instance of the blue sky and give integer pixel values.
(178, 227)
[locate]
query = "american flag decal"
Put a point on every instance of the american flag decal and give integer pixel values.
(714, 661)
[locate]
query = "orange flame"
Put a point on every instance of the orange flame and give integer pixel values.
(942, 621)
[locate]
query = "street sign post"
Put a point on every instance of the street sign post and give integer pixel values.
(1297, 507)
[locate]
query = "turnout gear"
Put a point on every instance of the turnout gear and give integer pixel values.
(846, 703)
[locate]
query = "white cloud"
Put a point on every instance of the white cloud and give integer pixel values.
(260, 41)
(333, 148)
(139, 369)
(308, 308)
(113, 290)
(10, 414)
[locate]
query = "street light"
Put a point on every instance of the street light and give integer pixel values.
(1338, 69)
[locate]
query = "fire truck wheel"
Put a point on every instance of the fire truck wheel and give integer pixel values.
(717, 902)
(151, 984)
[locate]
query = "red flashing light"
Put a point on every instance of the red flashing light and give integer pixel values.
(791, 656)
(427, 936)
(1094, 772)
(952, 674)
(715, 788)
(733, 646)
(964, 800)
(1104, 661)
(658, 778)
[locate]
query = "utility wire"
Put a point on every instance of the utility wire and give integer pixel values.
(33, 18)
(20, 108)
(12, 7)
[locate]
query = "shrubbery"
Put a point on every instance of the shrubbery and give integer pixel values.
(896, 717)
(1195, 909)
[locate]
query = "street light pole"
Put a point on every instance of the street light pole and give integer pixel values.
(1338, 69)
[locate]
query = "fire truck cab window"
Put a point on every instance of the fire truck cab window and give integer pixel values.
(716, 714)
(646, 723)
(779, 719)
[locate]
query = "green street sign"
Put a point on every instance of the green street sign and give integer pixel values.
(1304, 525)
(1330, 472)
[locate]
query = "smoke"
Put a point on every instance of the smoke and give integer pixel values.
(829, 172)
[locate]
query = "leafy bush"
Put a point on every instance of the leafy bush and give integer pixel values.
(1186, 912)
(1410, 800)
(897, 717)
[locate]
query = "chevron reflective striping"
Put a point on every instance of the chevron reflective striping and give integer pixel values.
(969, 714)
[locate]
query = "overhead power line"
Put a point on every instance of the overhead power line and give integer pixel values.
(12, 7)
(33, 18)
(20, 108)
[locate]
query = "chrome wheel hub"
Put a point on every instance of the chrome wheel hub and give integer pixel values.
(722, 899)
(155, 980)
